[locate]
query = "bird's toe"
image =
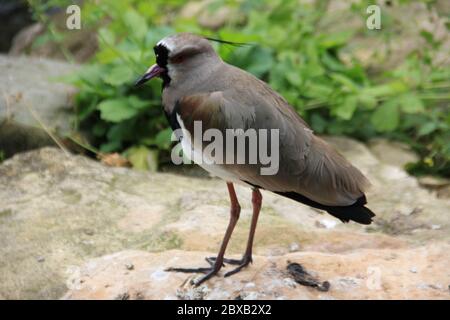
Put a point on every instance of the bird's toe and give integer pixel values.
(212, 261)
(189, 270)
(237, 262)
(245, 261)
(212, 272)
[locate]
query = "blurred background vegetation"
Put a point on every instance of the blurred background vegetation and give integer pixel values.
(341, 77)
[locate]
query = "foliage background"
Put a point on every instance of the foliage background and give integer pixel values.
(291, 47)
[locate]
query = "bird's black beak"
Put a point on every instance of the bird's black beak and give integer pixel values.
(152, 72)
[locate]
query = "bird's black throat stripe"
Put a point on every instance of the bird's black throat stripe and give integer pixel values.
(172, 117)
(162, 57)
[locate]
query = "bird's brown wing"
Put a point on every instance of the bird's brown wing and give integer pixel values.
(307, 164)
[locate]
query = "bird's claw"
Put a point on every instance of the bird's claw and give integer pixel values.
(213, 269)
(245, 261)
(241, 263)
(209, 272)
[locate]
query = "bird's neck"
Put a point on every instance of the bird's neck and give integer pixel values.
(200, 81)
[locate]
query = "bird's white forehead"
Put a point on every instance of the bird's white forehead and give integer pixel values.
(166, 42)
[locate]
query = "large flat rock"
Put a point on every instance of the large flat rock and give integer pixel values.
(58, 212)
(420, 273)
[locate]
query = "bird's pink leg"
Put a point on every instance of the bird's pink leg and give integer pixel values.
(247, 258)
(218, 262)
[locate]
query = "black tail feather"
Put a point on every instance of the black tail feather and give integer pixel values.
(361, 215)
(356, 212)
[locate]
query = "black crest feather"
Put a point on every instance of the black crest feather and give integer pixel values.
(236, 44)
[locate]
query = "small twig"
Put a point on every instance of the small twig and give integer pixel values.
(36, 117)
(8, 109)
(85, 146)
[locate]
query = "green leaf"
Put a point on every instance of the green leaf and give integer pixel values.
(318, 123)
(137, 102)
(138, 157)
(317, 90)
(121, 131)
(256, 60)
(162, 139)
(118, 75)
(332, 62)
(294, 78)
(427, 35)
(111, 146)
(90, 74)
(335, 39)
(278, 75)
(427, 128)
(346, 109)
(311, 70)
(157, 33)
(388, 89)
(136, 23)
(86, 109)
(411, 103)
(386, 116)
(367, 101)
(261, 62)
(143, 158)
(106, 55)
(346, 82)
(116, 110)
(106, 36)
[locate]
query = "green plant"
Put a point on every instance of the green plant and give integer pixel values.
(292, 50)
(120, 117)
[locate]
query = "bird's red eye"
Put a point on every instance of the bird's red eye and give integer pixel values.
(178, 59)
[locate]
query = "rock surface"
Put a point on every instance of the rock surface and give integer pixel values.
(60, 214)
(366, 274)
(32, 97)
(392, 152)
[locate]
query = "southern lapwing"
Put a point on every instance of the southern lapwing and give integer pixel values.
(199, 86)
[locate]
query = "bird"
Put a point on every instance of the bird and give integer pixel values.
(197, 85)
